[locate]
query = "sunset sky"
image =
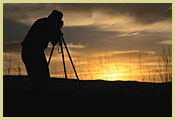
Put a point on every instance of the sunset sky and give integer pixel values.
(106, 41)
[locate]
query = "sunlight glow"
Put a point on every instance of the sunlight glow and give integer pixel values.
(111, 76)
(101, 67)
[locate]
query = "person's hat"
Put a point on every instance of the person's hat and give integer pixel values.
(56, 14)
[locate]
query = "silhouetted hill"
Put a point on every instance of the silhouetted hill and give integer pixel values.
(68, 97)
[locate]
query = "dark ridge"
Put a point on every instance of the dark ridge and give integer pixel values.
(87, 98)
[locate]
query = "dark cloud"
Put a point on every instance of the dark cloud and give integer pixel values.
(88, 35)
(146, 13)
(13, 31)
(13, 47)
(143, 12)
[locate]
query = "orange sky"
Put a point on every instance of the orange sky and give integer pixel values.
(106, 41)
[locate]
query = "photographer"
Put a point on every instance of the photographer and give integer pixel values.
(42, 32)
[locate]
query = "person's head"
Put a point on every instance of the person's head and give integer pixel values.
(56, 15)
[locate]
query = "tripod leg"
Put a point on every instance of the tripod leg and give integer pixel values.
(63, 60)
(69, 56)
(50, 55)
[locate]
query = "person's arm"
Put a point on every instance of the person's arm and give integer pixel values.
(56, 35)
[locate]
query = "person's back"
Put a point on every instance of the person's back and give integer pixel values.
(41, 32)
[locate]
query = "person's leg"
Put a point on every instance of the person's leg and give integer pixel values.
(44, 75)
(32, 74)
(27, 60)
(38, 71)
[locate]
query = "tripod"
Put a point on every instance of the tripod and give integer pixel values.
(61, 42)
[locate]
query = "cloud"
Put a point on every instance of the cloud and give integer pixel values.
(28, 13)
(14, 31)
(12, 42)
(85, 14)
(123, 52)
(126, 23)
(135, 51)
(101, 26)
(128, 34)
(69, 45)
(165, 42)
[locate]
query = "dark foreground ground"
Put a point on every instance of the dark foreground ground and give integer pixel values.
(72, 98)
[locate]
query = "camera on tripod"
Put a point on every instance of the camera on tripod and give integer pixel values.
(61, 42)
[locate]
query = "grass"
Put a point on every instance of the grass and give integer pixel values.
(165, 75)
(106, 66)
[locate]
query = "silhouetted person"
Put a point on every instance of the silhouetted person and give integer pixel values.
(42, 32)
